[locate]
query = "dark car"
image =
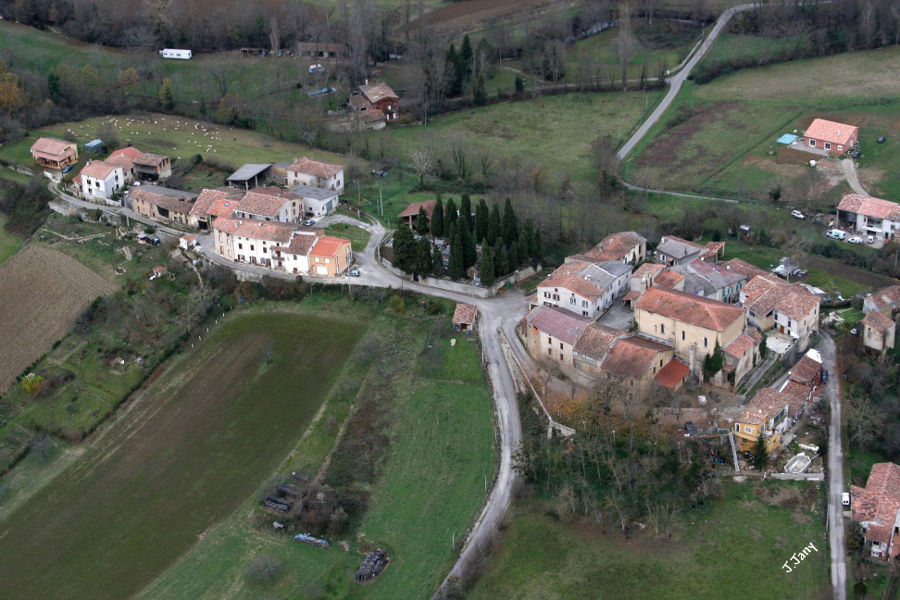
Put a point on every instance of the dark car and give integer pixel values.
(379, 172)
(68, 168)
(689, 428)
(354, 273)
(856, 154)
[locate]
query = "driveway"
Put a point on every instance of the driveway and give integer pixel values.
(849, 167)
(618, 316)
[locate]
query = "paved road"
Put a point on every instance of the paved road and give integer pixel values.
(678, 78)
(835, 472)
(849, 166)
(638, 188)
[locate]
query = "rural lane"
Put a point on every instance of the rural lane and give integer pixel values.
(850, 173)
(678, 78)
(835, 471)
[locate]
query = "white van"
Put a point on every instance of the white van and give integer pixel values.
(836, 234)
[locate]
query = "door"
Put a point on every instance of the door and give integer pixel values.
(321, 270)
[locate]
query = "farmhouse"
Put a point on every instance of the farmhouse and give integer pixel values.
(212, 203)
(269, 204)
(878, 333)
(330, 256)
(886, 301)
(152, 167)
(626, 247)
(376, 98)
(294, 257)
(643, 278)
(788, 308)
(743, 267)
(317, 201)
(869, 216)
(591, 347)
(673, 250)
(307, 171)
(163, 204)
(101, 180)
(410, 213)
(584, 288)
(250, 240)
(877, 509)
(831, 136)
(124, 157)
(51, 153)
(251, 175)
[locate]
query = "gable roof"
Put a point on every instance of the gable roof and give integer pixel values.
(313, 192)
(315, 168)
(209, 196)
(301, 242)
(145, 159)
(556, 322)
(99, 169)
(595, 340)
(672, 374)
(588, 280)
(328, 245)
(687, 308)
(677, 247)
(878, 321)
(465, 313)
(768, 401)
(884, 297)
(710, 276)
(632, 356)
(613, 247)
(879, 501)
(808, 368)
(249, 171)
(377, 92)
(264, 201)
(869, 206)
(765, 293)
(124, 157)
(413, 209)
(668, 279)
(173, 200)
(743, 267)
(741, 344)
(651, 269)
(831, 131)
(53, 148)
(271, 231)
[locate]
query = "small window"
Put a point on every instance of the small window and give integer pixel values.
(251, 247)
(828, 145)
(748, 429)
(550, 351)
(662, 328)
(812, 143)
(705, 343)
(560, 346)
(240, 246)
(561, 356)
(682, 335)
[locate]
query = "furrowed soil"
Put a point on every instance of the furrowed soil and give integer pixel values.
(41, 291)
(182, 456)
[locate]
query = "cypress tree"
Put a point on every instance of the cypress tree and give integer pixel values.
(486, 272)
(522, 251)
(482, 214)
(437, 262)
(512, 255)
(537, 250)
(423, 257)
(501, 262)
(454, 84)
(465, 209)
(510, 228)
(422, 221)
(404, 249)
(457, 269)
(760, 456)
(528, 234)
(450, 216)
(493, 231)
(470, 255)
(437, 218)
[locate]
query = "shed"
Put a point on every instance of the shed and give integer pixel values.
(464, 317)
(94, 146)
(187, 241)
(251, 175)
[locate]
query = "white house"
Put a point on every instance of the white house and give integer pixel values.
(317, 201)
(869, 216)
(100, 180)
(278, 246)
(584, 288)
(307, 171)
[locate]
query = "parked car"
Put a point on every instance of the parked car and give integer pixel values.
(313, 69)
(354, 273)
(379, 172)
(836, 234)
(309, 222)
(856, 239)
(870, 239)
(68, 168)
(881, 139)
(797, 214)
(845, 498)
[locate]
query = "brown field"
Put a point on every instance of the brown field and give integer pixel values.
(41, 291)
(467, 12)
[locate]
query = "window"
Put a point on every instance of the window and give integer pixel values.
(737, 428)
(584, 303)
(572, 300)
(812, 143)
(561, 356)
(251, 247)
(560, 346)
(549, 351)
(682, 335)
(546, 294)
(264, 250)
(662, 328)
(240, 246)
(705, 343)
(840, 146)
(549, 340)
(748, 429)
(828, 145)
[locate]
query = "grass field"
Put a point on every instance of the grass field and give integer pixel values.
(358, 236)
(9, 243)
(441, 451)
(182, 457)
(738, 542)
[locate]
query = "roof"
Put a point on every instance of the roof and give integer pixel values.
(150, 160)
(301, 242)
(249, 171)
(878, 321)
(271, 231)
(687, 308)
(595, 339)
(99, 169)
(871, 207)
(798, 394)
(765, 293)
(668, 279)
(831, 131)
(413, 209)
(465, 313)
(647, 268)
(189, 237)
(879, 501)
(715, 276)
(632, 356)
(885, 297)
(768, 401)
(313, 192)
(124, 157)
(377, 92)
(672, 374)
(556, 322)
(741, 266)
(677, 247)
(586, 279)
(264, 201)
(615, 246)
(172, 200)
(328, 245)
(741, 344)
(52, 147)
(316, 168)
(207, 197)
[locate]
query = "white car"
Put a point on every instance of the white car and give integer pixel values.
(856, 239)
(845, 498)
(870, 239)
(797, 214)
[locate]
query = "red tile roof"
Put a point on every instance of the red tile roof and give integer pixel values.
(99, 169)
(741, 344)
(595, 339)
(879, 501)
(809, 368)
(264, 201)
(328, 245)
(878, 322)
(124, 157)
(648, 268)
(871, 207)
(271, 231)
(556, 322)
(687, 308)
(301, 242)
(743, 267)
(633, 357)
(181, 205)
(465, 313)
(765, 293)
(768, 401)
(413, 209)
(798, 393)
(377, 92)
(615, 246)
(714, 248)
(632, 295)
(831, 131)
(672, 374)
(885, 297)
(668, 279)
(208, 197)
(316, 168)
(52, 148)
(567, 276)
(150, 160)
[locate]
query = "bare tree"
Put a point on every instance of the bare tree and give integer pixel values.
(421, 160)
(625, 40)
(274, 34)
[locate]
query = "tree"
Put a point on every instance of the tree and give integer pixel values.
(763, 349)
(528, 236)
(714, 362)
(625, 40)
(486, 272)
(423, 257)
(465, 61)
(422, 221)
(864, 422)
(522, 254)
(450, 214)
(760, 457)
(494, 228)
(437, 262)
(519, 84)
(404, 249)
(481, 220)
(127, 77)
(437, 218)
(470, 255)
(11, 97)
(54, 88)
(480, 92)
(457, 267)
(501, 261)
(421, 161)
(537, 249)
(465, 209)
(167, 94)
(510, 227)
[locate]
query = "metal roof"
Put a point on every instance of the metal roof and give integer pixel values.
(249, 171)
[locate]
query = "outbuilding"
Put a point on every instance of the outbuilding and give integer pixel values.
(464, 317)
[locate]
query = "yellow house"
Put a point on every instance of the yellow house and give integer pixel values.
(330, 256)
(765, 413)
(693, 325)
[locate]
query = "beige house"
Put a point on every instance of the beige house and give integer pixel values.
(886, 301)
(591, 347)
(742, 355)
(788, 308)
(627, 247)
(876, 508)
(551, 333)
(635, 361)
(693, 325)
(878, 333)
(163, 204)
(765, 413)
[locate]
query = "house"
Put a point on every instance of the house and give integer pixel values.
(711, 280)
(294, 257)
(591, 347)
(464, 317)
(411, 212)
(878, 333)
(673, 250)
(766, 413)
(269, 204)
(673, 375)
(279, 171)
(163, 204)
(251, 175)
(101, 180)
(321, 49)
(124, 157)
(877, 509)
(377, 97)
(742, 355)
(626, 247)
(54, 154)
(869, 216)
(635, 362)
(692, 325)
(643, 278)
(743, 267)
(585, 288)
(317, 202)
(152, 167)
(808, 370)
(551, 333)
(669, 279)
(251, 241)
(212, 203)
(330, 256)
(831, 136)
(307, 171)
(789, 308)
(188, 241)
(886, 301)
(157, 272)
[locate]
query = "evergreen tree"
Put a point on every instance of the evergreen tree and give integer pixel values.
(405, 249)
(763, 349)
(486, 272)
(493, 231)
(465, 210)
(437, 218)
(760, 456)
(166, 94)
(512, 255)
(501, 262)
(510, 228)
(457, 267)
(480, 92)
(422, 221)
(481, 220)
(470, 255)
(465, 58)
(454, 84)
(522, 248)
(437, 262)
(450, 216)
(423, 257)
(520, 84)
(528, 234)
(537, 250)
(714, 362)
